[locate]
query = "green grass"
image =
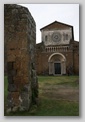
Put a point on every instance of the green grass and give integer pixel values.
(57, 79)
(58, 96)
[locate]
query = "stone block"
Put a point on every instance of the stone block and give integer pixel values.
(25, 104)
(10, 104)
(12, 72)
(10, 80)
(12, 88)
(11, 58)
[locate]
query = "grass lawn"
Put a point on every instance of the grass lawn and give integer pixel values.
(58, 96)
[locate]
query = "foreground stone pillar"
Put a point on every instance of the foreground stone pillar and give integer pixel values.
(20, 40)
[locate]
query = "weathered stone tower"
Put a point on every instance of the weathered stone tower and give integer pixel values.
(20, 40)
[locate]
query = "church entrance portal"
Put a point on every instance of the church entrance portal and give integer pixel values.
(57, 64)
(57, 68)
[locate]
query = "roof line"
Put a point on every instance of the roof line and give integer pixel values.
(56, 22)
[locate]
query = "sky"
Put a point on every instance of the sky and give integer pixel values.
(45, 14)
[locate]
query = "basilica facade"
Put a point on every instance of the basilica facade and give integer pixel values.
(58, 52)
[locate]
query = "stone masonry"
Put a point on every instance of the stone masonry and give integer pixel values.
(20, 41)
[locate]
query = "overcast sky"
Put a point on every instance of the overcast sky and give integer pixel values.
(45, 14)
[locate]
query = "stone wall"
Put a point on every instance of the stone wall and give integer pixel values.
(20, 40)
(49, 33)
(76, 58)
(71, 53)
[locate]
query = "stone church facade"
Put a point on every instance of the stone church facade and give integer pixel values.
(58, 53)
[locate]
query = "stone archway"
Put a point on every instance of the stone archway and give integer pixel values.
(57, 64)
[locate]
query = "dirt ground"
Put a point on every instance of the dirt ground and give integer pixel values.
(59, 91)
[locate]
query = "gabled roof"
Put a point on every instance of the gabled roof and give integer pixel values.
(57, 24)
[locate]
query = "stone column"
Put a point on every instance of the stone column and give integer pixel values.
(63, 67)
(51, 68)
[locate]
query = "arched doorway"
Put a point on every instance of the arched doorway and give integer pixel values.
(57, 64)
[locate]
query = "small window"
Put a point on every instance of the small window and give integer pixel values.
(66, 36)
(46, 38)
